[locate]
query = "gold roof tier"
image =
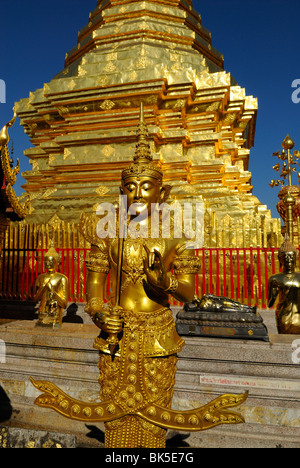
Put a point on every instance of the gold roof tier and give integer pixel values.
(82, 124)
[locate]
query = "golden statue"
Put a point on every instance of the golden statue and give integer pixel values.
(52, 290)
(286, 285)
(138, 342)
(221, 304)
(149, 341)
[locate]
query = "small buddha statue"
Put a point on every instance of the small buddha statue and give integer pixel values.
(52, 291)
(286, 286)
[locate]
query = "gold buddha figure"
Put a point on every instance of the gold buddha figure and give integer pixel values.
(144, 364)
(286, 286)
(52, 291)
(138, 342)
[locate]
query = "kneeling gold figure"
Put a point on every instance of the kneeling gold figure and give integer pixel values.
(286, 286)
(138, 343)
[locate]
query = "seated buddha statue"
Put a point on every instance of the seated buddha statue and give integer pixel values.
(286, 287)
(52, 291)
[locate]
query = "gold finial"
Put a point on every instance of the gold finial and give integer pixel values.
(289, 160)
(4, 137)
(142, 160)
(288, 143)
(143, 151)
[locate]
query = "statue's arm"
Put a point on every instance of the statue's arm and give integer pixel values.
(186, 267)
(38, 290)
(62, 297)
(180, 284)
(186, 288)
(98, 268)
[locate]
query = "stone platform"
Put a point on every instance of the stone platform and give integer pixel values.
(207, 368)
(13, 437)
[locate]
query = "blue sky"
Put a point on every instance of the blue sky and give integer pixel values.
(260, 42)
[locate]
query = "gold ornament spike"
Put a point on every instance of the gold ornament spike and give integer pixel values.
(10, 174)
(143, 151)
(4, 136)
(288, 143)
(142, 165)
(20, 209)
(198, 419)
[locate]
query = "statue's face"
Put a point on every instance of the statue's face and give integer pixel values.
(50, 263)
(141, 194)
(288, 261)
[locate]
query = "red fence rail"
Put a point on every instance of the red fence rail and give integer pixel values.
(239, 273)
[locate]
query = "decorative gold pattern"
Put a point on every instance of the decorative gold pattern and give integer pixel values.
(173, 285)
(185, 265)
(206, 417)
(98, 262)
(10, 174)
(94, 306)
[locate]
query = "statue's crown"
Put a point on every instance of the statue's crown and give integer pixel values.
(287, 246)
(142, 165)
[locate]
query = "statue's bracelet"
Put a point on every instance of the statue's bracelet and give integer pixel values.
(94, 306)
(173, 285)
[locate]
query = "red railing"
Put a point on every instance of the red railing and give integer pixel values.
(239, 273)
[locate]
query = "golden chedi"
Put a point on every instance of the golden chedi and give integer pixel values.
(82, 123)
